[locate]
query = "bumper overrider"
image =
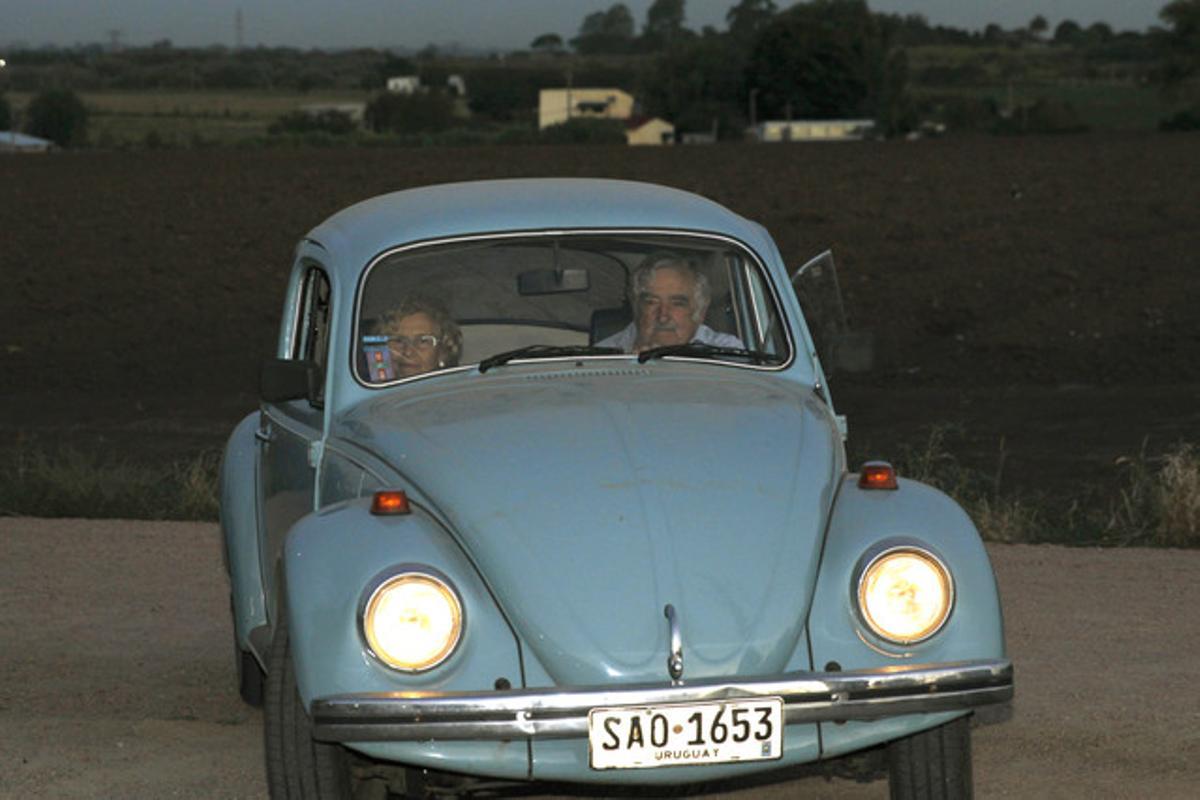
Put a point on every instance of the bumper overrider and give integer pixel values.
(562, 713)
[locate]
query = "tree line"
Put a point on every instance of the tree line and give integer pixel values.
(814, 59)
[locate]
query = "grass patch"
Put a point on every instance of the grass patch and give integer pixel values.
(1160, 502)
(1157, 503)
(70, 483)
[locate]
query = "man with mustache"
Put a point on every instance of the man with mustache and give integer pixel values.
(669, 299)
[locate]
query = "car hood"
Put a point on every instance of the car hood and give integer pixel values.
(590, 499)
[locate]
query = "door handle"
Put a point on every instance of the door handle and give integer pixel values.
(264, 434)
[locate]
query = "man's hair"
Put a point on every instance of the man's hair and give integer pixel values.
(642, 275)
(450, 336)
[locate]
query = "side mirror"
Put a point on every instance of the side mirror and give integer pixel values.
(289, 379)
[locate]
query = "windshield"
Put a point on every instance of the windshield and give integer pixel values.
(491, 301)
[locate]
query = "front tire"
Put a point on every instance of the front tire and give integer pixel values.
(298, 767)
(933, 764)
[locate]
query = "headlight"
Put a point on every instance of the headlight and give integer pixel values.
(905, 595)
(412, 621)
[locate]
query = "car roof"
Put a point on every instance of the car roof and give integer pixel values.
(361, 232)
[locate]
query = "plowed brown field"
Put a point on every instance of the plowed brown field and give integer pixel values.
(1041, 292)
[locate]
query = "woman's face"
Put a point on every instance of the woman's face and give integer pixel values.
(415, 344)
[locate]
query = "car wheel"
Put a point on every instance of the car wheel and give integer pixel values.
(249, 673)
(250, 679)
(933, 764)
(298, 767)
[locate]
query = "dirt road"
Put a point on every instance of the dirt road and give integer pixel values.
(116, 679)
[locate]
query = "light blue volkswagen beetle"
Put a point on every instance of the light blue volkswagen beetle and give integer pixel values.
(547, 485)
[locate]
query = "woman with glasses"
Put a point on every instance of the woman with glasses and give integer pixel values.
(420, 336)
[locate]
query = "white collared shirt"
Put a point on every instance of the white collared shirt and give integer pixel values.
(625, 339)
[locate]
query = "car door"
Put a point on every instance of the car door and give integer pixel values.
(290, 432)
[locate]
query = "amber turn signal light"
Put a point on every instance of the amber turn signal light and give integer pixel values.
(877, 475)
(390, 501)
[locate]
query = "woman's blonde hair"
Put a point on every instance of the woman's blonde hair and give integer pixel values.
(449, 334)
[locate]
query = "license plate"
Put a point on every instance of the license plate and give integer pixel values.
(701, 733)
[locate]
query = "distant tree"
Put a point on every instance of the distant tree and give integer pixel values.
(664, 23)
(827, 59)
(1179, 45)
(550, 43)
(58, 115)
(608, 31)
(6, 120)
(1038, 26)
(1068, 32)
(748, 17)
(696, 82)
(1099, 33)
(994, 34)
(392, 66)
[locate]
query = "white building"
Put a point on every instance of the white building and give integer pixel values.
(815, 130)
(404, 84)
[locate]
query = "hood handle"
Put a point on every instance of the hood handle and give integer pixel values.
(675, 660)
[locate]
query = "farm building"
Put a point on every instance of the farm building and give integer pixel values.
(815, 130)
(654, 130)
(556, 106)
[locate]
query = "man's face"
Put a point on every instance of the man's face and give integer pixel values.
(667, 312)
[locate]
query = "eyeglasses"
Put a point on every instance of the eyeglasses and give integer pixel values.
(423, 342)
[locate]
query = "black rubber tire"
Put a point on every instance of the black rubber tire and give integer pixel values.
(298, 767)
(250, 679)
(933, 764)
(249, 673)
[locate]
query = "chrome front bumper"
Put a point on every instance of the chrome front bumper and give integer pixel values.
(557, 713)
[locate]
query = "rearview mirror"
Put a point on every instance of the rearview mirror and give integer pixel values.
(552, 281)
(289, 379)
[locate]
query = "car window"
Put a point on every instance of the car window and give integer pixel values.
(312, 334)
(436, 307)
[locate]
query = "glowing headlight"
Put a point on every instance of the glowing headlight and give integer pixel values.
(412, 622)
(905, 595)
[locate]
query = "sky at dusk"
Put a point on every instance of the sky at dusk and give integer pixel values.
(501, 24)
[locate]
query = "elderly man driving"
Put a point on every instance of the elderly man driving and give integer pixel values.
(669, 299)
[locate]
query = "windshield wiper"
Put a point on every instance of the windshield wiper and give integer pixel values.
(702, 350)
(546, 351)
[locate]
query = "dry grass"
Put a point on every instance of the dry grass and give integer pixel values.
(66, 482)
(1160, 502)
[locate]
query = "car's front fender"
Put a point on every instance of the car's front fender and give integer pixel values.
(865, 520)
(239, 529)
(332, 558)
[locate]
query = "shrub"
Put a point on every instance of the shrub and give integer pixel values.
(58, 115)
(584, 131)
(427, 112)
(1186, 120)
(1045, 115)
